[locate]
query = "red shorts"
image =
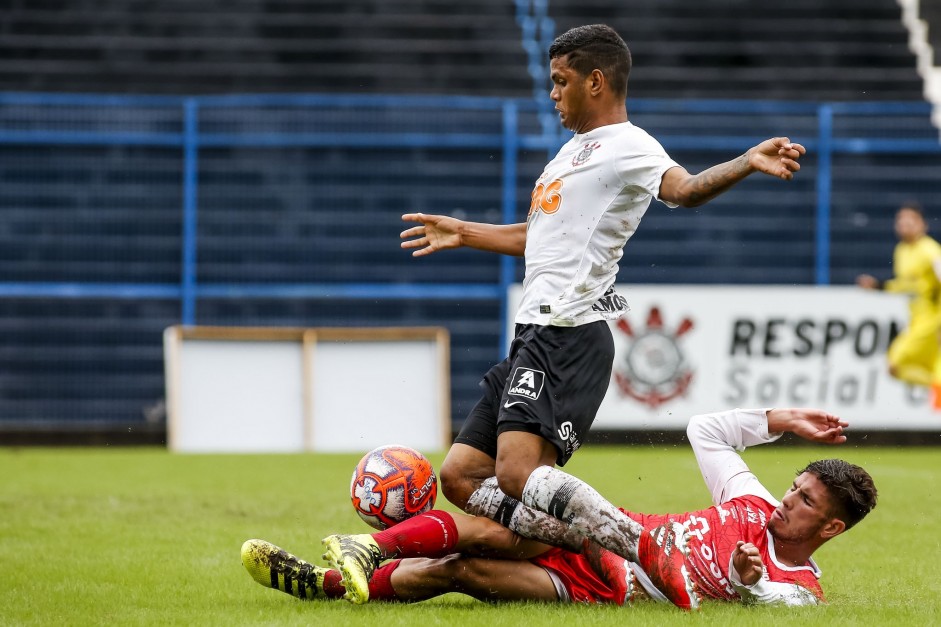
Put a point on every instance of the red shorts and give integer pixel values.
(577, 576)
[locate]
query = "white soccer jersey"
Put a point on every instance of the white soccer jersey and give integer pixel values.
(587, 203)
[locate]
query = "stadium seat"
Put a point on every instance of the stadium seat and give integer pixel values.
(274, 215)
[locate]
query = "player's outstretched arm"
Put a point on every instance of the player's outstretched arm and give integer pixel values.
(776, 157)
(815, 425)
(436, 233)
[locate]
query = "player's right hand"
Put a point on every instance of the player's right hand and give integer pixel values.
(747, 562)
(434, 233)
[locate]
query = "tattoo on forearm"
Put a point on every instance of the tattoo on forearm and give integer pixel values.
(717, 179)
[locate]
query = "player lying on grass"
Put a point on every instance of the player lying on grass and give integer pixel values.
(748, 547)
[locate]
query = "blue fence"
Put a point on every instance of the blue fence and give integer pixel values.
(510, 139)
(297, 198)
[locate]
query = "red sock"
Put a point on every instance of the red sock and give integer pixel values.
(432, 534)
(380, 586)
(332, 586)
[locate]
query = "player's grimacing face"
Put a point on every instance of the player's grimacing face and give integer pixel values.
(569, 93)
(804, 510)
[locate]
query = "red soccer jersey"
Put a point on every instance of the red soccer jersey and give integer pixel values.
(714, 533)
(743, 509)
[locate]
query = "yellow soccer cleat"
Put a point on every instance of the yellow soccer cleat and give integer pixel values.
(356, 557)
(273, 567)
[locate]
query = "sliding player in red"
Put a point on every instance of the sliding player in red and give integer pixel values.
(748, 547)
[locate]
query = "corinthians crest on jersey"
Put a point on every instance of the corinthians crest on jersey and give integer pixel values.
(584, 154)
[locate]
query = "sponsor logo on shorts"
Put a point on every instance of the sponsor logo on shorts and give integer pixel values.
(527, 383)
(654, 369)
(568, 435)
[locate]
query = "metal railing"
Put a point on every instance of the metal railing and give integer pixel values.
(509, 140)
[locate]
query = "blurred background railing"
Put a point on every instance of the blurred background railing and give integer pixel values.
(122, 215)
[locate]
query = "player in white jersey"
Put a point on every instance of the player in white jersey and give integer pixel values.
(539, 403)
(587, 203)
(749, 547)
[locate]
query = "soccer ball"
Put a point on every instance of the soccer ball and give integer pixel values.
(392, 483)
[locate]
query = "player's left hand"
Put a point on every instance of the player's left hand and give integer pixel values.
(747, 562)
(777, 156)
(811, 424)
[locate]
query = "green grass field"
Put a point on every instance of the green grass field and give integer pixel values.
(142, 536)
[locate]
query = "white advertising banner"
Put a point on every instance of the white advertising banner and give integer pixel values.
(688, 349)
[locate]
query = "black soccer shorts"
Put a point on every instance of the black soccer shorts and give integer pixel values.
(552, 385)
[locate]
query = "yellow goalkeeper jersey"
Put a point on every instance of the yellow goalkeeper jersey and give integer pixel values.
(915, 275)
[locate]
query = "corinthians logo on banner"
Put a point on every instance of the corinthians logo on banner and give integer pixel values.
(755, 346)
(654, 369)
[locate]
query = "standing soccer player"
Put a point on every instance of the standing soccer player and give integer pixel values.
(917, 265)
(539, 403)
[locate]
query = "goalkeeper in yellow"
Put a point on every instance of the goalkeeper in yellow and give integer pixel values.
(914, 355)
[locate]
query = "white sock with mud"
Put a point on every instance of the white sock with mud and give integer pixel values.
(491, 502)
(573, 501)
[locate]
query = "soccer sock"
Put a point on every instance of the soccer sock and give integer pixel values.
(490, 502)
(432, 534)
(380, 586)
(572, 500)
(331, 584)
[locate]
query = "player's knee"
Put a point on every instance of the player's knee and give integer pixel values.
(456, 485)
(463, 470)
(519, 453)
(512, 478)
